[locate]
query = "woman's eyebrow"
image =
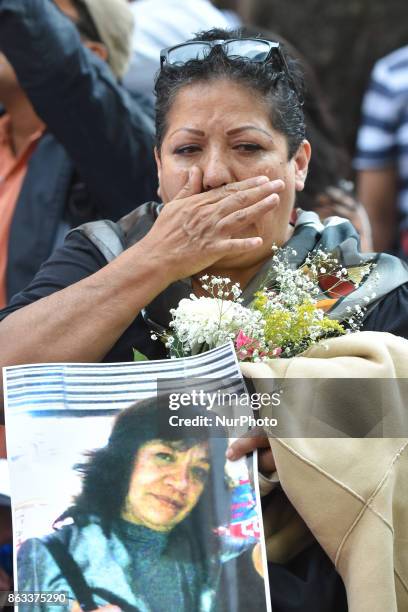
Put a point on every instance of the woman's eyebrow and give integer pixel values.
(187, 129)
(244, 128)
(161, 446)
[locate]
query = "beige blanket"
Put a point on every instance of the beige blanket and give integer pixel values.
(351, 493)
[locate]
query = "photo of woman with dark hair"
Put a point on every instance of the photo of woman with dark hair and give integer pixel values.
(141, 534)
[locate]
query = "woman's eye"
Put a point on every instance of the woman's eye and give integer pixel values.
(187, 150)
(165, 457)
(199, 474)
(248, 147)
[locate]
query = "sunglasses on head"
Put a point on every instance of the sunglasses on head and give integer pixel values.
(252, 49)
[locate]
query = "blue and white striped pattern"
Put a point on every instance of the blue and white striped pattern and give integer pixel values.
(83, 388)
(383, 135)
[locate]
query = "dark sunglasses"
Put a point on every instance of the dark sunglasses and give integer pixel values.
(251, 49)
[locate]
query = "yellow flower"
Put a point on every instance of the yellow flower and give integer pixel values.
(299, 327)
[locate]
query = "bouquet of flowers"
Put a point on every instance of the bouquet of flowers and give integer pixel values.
(285, 318)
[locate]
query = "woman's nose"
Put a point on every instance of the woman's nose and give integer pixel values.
(216, 171)
(179, 478)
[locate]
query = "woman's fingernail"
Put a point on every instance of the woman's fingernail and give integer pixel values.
(272, 199)
(230, 453)
(277, 184)
(261, 180)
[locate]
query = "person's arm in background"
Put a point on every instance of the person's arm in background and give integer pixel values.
(108, 133)
(377, 190)
(376, 157)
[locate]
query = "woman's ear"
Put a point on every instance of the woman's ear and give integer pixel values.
(301, 160)
(158, 164)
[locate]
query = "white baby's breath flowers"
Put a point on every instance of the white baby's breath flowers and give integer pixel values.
(211, 322)
(287, 316)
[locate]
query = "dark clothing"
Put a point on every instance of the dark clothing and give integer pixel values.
(171, 579)
(96, 159)
(308, 583)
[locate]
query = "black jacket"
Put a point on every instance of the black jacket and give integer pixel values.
(96, 158)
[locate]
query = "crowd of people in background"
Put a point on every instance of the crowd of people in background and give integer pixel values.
(77, 131)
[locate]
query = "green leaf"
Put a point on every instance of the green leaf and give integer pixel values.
(138, 356)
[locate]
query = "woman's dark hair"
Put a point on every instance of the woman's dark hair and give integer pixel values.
(273, 86)
(107, 472)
